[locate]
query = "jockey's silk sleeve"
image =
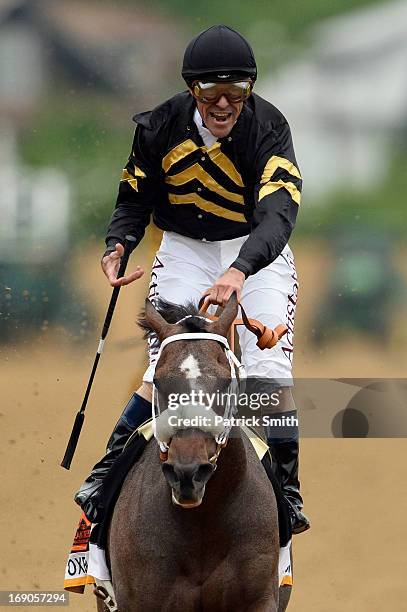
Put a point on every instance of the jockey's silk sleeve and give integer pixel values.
(138, 191)
(277, 198)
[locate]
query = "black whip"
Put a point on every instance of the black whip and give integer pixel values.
(80, 417)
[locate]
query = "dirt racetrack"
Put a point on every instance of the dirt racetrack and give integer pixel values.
(352, 560)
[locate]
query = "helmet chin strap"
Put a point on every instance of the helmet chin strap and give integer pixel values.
(202, 120)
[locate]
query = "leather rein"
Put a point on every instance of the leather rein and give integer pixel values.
(267, 337)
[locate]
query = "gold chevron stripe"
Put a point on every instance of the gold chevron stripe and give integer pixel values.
(131, 179)
(138, 172)
(278, 162)
(178, 153)
(214, 152)
(224, 163)
(197, 172)
(270, 187)
(214, 209)
(128, 178)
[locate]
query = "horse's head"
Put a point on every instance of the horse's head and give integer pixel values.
(190, 368)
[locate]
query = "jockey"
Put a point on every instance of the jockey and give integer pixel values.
(215, 167)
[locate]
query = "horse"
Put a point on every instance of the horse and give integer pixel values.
(199, 530)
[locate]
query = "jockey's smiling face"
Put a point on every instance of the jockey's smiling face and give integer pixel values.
(221, 116)
(220, 103)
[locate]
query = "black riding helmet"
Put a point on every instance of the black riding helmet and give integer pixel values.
(218, 54)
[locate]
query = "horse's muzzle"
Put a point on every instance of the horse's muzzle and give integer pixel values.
(186, 504)
(187, 482)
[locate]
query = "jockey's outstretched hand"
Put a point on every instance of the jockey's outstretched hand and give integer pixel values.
(111, 264)
(231, 281)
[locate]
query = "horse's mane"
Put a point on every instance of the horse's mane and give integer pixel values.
(173, 313)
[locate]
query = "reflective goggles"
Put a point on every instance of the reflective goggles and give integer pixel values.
(211, 92)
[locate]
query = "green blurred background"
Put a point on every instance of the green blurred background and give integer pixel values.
(72, 74)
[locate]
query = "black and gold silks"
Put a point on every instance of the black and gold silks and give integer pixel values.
(247, 183)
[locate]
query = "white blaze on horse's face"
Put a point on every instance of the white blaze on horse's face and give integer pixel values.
(190, 367)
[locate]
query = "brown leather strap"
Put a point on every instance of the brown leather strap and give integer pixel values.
(266, 337)
(203, 306)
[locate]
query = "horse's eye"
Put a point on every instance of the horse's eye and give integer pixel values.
(156, 383)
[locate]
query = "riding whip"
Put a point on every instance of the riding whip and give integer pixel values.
(77, 427)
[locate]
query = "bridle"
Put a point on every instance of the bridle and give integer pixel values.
(237, 373)
(266, 338)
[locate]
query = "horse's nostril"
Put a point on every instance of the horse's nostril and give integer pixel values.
(203, 473)
(170, 474)
(187, 476)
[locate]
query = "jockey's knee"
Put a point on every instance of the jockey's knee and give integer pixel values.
(280, 397)
(278, 409)
(282, 425)
(286, 400)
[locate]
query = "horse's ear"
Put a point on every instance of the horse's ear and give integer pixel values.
(157, 322)
(229, 314)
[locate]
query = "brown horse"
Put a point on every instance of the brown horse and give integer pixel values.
(209, 541)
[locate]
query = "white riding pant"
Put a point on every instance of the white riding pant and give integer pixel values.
(184, 268)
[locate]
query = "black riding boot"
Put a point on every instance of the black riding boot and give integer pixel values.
(284, 452)
(282, 439)
(136, 412)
